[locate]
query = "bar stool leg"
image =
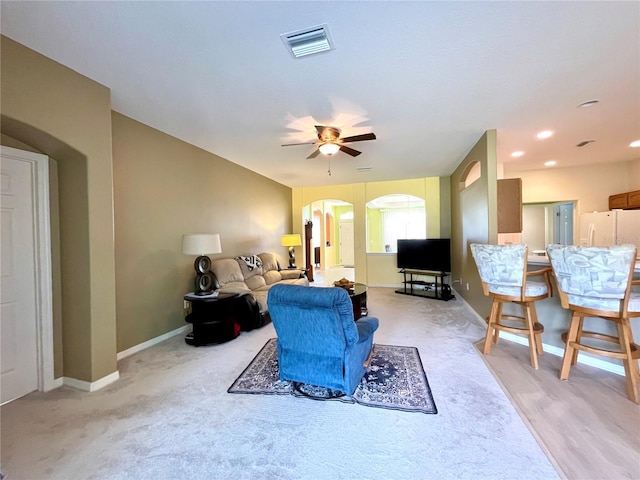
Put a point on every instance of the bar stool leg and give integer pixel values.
(636, 365)
(538, 335)
(630, 366)
(574, 359)
(496, 331)
(572, 336)
(528, 315)
(493, 318)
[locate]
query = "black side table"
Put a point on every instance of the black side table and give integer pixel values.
(213, 318)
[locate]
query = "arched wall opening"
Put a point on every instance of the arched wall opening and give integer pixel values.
(332, 242)
(70, 247)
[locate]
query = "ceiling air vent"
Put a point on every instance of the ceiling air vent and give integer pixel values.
(308, 41)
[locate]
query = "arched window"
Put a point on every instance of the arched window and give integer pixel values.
(393, 217)
(473, 173)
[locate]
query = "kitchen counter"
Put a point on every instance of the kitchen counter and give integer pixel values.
(544, 260)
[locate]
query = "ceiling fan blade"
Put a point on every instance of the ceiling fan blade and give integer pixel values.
(293, 144)
(359, 138)
(349, 151)
(314, 154)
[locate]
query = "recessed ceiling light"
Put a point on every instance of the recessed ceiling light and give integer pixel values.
(587, 104)
(517, 154)
(635, 144)
(550, 163)
(544, 134)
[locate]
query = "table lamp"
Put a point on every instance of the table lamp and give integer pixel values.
(291, 240)
(202, 244)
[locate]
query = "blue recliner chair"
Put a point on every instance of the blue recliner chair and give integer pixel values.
(318, 341)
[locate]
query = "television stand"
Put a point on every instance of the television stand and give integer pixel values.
(435, 289)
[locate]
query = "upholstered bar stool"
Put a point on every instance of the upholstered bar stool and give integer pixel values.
(596, 282)
(504, 275)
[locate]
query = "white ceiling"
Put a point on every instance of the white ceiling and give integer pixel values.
(427, 77)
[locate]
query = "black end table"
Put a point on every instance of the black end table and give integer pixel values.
(358, 295)
(213, 318)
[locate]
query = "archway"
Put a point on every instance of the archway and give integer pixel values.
(69, 251)
(329, 251)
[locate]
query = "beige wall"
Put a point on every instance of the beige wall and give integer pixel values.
(589, 185)
(474, 218)
(67, 116)
(534, 223)
(165, 188)
(377, 268)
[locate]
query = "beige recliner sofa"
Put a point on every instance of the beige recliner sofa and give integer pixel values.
(255, 275)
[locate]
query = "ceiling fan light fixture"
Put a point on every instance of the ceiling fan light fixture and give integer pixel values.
(308, 41)
(329, 148)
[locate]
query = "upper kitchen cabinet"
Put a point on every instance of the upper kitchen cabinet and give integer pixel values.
(510, 205)
(628, 200)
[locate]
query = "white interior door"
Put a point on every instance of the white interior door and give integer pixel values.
(347, 258)
(18, 331)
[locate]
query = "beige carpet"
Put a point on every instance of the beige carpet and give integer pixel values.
(169, 416)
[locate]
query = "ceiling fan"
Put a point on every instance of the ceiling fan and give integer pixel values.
(330, 142)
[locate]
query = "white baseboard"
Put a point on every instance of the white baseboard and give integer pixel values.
(57, 383)
(104, 381)
(91, 386)
(583, 358)
(152, 342)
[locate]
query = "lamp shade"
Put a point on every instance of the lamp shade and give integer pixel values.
(329, 148)
(291, 240)
(201, 243)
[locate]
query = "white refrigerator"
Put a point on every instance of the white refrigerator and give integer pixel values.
(614, 227)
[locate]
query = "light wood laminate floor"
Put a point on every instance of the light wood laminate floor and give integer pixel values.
(587, 425)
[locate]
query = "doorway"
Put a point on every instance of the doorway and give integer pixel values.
(328, 246)
(545, 223)
(26, 301)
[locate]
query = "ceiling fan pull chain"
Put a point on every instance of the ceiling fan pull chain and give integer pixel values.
(329, 171)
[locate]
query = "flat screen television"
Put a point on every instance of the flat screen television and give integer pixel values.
(433, 254)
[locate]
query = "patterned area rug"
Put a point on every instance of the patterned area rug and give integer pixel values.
(395, 380)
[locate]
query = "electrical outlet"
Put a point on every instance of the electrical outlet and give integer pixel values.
(186, 304)
(467, 286)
